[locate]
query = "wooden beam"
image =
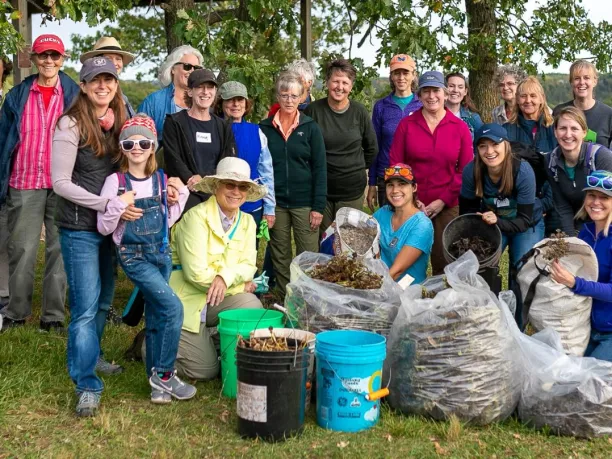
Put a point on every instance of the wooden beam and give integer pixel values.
(22, 66)
(306, 31)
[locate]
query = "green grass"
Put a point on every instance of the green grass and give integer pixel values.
(37, 402)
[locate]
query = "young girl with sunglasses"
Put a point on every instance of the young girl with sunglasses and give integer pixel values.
(144, 252)
(598, 207)
(406, 233)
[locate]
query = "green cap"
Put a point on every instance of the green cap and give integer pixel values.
(233, 89)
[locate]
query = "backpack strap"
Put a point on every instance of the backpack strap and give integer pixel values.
(589, 158)
(121, 178)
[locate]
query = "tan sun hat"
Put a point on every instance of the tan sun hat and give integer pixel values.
(236, 170)
(107, 45)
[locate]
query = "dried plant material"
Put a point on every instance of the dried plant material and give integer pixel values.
(359, 239)
(557, 247)
(482, 248)
(348, 271)
(436, 287)
(271, 344)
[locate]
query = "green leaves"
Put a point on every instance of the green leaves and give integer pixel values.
(10, 40)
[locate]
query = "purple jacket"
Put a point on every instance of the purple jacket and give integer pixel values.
(385, 118)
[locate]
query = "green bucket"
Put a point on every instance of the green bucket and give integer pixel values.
(240, 322)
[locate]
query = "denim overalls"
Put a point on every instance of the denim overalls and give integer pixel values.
(145, 257)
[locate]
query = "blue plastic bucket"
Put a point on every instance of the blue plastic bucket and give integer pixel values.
(349, 368)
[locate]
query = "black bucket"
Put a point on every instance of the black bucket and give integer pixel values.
(271, 392)
(470, 225)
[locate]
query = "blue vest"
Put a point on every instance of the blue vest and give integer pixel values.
(249, 149)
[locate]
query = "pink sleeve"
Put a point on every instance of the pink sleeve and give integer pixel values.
(175, 211)
(466, 154)
(109, 219)
(397, 153)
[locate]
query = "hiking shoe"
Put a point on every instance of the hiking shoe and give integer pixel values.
(173, 386)
(107, 368)
(159, 397)
(88, 404)
(6, 323)
(57, 327)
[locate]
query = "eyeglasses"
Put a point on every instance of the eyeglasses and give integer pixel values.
(507, 85)
(54, 55)
(398, 171)
(290, 97)
(128, 145)
(189, 67)
(599, 182)
(231, 186)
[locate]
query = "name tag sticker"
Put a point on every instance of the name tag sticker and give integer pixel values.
(203, 137)
(502, 202)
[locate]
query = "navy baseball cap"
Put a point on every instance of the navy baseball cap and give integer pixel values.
(432, 80)
(95, 66)
(492, 131)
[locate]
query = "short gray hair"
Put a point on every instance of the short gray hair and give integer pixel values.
(165, 71)
(288, 80)
(509, 70)
(303, 68)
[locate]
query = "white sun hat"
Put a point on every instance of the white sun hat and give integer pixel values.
(236, 170)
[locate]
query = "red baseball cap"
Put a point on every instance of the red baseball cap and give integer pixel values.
(48, 42)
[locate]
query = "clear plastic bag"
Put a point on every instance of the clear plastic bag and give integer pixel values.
(567, 394)
(318, 305)
(454, 353)
(333, 243)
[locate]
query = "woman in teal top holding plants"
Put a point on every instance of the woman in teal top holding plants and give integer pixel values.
(406, 233)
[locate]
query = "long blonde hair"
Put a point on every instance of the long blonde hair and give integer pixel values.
(531, 84)
(582, 214)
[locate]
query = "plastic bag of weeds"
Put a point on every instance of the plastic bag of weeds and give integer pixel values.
(317, 305)
(353, 231)
(454, 353)
(567, 394)
(547, 303)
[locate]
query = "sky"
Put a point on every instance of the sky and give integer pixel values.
(598, 10)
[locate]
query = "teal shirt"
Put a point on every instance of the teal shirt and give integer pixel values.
(403, 102)
(570, 171)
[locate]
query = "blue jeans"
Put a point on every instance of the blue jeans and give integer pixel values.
(519, 244)
(91, 286)
(600, 346)
(150, 270)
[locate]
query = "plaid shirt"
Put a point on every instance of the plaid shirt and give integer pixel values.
(32, 162)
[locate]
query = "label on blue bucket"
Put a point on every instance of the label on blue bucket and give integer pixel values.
(252, 402)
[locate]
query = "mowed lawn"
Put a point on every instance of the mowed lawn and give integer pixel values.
(37, 406)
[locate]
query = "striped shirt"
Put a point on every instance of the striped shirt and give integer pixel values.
(32, 162)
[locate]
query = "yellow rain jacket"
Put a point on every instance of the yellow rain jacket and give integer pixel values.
(203, 250)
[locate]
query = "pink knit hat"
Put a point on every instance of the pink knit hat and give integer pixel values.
(140, 124)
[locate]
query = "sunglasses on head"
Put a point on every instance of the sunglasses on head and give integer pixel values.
(598, 182)
(128, 145)
(189, 67)
(54, 55)
(398, 170)
(232, 186)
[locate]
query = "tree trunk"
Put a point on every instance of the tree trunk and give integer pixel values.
(482, 28)
(170, 10)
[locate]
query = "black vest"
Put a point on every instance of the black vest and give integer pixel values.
(89, 173)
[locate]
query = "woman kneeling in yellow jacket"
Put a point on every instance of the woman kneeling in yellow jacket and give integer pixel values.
(214, 256)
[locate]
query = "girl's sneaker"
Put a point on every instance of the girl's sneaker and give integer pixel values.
(159, 397)
(88, 404)
(173, 386)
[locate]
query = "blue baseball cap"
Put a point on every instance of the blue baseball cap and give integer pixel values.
(492, 131)
(432, 80)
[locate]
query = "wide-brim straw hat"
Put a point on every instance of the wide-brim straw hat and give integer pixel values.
(236, 170)
(107, 45)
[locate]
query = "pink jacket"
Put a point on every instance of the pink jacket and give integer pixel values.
(437, 159)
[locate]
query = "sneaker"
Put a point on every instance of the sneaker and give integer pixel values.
(173, 386)
(57, 327)
(88, 404)
(6, 323)
(107, 368)
(159, 397)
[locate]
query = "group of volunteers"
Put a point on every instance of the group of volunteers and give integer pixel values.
(177, 191)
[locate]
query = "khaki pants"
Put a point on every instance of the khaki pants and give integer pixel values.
(437, 251)
(306, 240)
(332, 207)
(197, 357)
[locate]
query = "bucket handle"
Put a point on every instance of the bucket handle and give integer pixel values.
(371, 396)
